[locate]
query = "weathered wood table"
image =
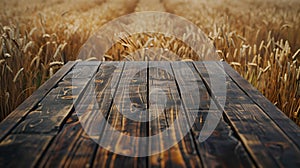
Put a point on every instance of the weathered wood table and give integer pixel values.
(46, 130)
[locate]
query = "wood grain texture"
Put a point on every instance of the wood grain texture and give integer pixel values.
(52, 110)
(169, 113)
(19, 150)
(47, 118)
(105, 84)
(263, 139)
(73, 146)
(22, 110)
(62, 122)
(286, 124)
(134, 76)
(63, 144)
(222, 148)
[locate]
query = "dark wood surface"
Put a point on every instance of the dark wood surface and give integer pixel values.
(45, 130)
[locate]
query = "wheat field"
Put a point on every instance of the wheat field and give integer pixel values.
(260, 39)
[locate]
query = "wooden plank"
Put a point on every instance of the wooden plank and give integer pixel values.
(56, 106)
(21, 111)
(158, 78)
(131, 91)
(72, 146)
(221, 148)
(22, 150)
(263, 139)
(169, 115)
(43, 120)
(62, 144)
(105, 83)
(286, 125)
(81, 71)
(245, 136)
(87, 63)
(192, 89)
(267, 144)
(81, 155)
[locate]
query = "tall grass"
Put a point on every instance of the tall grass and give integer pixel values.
(260, 39)
(37, 39)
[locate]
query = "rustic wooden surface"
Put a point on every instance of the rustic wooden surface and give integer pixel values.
(44, 131)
